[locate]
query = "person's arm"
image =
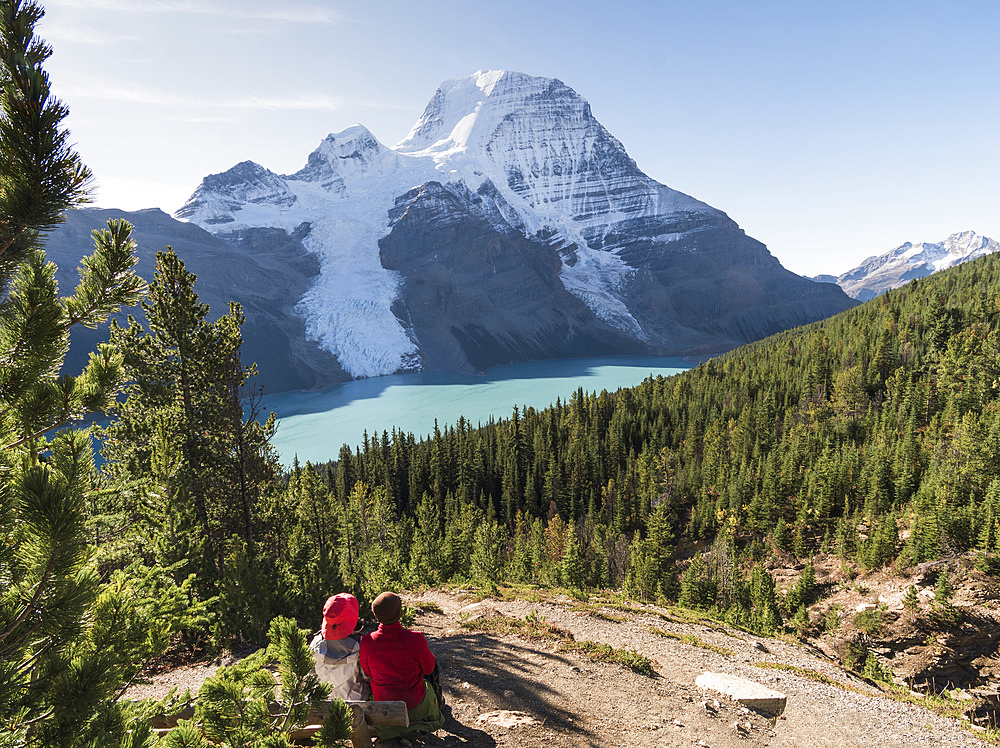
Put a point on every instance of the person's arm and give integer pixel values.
(425, 658)
(363, 660)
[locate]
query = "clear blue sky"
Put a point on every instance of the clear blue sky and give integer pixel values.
(828, 131)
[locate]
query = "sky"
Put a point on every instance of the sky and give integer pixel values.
(830, 131)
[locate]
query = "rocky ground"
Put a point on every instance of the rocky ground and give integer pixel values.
(508, 689)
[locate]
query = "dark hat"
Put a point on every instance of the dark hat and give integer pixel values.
(340, 616)
(387, 607)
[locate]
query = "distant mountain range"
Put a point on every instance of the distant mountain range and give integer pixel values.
(876, 275)
(508, 225)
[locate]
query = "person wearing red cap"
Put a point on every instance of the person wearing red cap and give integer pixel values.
(337, 648)
(400, 666)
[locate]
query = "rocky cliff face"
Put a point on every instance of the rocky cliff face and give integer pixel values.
(899, 266)
(474, 296)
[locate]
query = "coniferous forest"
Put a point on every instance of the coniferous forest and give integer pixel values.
(874, 435)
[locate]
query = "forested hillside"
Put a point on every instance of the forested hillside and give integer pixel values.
(872, 434)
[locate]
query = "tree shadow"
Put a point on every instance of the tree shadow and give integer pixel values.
(491, 667)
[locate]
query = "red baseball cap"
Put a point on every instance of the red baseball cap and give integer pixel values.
(340, 616)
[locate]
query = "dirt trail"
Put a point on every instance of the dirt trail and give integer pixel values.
(505, 690)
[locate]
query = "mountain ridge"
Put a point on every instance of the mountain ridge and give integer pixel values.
(880, 273)
(527, 157)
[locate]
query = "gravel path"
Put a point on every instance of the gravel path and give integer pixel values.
(577, 702)
(515, 692)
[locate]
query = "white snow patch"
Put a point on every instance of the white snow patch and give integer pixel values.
(597, 278)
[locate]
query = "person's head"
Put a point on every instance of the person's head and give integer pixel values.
(387, 608)
(340, 616)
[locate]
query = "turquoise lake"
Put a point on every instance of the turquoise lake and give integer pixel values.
(314, 425)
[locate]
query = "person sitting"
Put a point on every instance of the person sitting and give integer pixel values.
(337, 649)
(398, 661)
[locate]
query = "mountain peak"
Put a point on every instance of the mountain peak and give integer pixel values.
(350, 152)
(464, 113)
(508, 224)
(219, 195)
(487, 79)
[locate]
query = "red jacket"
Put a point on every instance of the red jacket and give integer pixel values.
(396, 660)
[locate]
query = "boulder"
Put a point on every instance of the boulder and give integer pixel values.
(746, 692)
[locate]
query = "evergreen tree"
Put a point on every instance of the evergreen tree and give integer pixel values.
(487, 558)
(693, 594)
(943, 589)
(802, 593)
(764, 616)
(571, 571)
(64, 653)
(190, 394)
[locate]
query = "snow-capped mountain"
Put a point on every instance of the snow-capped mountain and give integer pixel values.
(508, 224)
(878, 274)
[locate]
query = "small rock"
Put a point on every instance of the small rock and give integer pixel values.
(761, 648)
(574, 669)
(678, 723)
(466, 685)
(508, 694)
(506, 719)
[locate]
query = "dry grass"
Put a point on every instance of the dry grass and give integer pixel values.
(534, 627)
(692, 640)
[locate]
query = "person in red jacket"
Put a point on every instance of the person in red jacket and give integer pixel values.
(400, 666)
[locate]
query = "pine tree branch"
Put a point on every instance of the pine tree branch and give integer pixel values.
(44, 647)
(291, 707)
(125, 686)
(40, 718)
(40, 589)
(14, 645)
(36, 435)
(13, 233)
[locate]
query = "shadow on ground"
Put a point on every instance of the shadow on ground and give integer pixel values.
(491, 668)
